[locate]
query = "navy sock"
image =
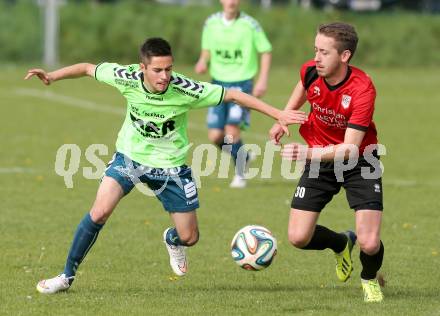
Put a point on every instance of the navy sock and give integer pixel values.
(371, 264)
(84, 238)
(172, 237)
(232, 149)
(324, 238)
(239, 160)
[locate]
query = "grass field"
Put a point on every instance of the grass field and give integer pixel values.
(127, 271)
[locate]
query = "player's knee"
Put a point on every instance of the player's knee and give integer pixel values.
(298, 240)
(215, 138)
(189, 238)
(369, 244)
(100, 215)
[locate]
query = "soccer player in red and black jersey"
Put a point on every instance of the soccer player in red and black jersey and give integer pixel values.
(339, 128)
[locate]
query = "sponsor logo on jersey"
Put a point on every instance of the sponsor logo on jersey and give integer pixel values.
(127, 83)
(316, 90)
(328, 116)
(177, 89)
(126, 77)
(138, 112)
(231, 56)
(346, 99)
(151, 129)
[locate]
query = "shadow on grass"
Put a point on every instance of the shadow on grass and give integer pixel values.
(192, 289)
(410, 293)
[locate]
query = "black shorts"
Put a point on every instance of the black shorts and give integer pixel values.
(362, 184)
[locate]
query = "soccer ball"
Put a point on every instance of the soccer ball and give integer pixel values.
(253, 247)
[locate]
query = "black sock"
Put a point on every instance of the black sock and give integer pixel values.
(371, 264)
(324, 238)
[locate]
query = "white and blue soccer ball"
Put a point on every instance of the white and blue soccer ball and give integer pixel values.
(253, 247)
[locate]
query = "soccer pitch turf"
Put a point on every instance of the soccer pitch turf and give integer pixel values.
(127, 271)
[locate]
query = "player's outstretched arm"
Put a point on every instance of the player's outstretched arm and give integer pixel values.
(296, 101)
(69, 72)
(284, 118)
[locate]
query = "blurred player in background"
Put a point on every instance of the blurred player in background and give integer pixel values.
(234, 46)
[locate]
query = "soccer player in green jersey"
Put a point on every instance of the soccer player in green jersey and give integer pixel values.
(151, 148)
(233, 43)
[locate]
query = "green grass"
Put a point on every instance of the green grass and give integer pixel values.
(127, 271)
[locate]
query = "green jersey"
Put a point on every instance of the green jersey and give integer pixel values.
(234, 46)
(154, 129)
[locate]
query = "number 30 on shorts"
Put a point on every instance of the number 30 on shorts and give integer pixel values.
(300, 191)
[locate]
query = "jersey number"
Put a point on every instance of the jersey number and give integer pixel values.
(300, 191)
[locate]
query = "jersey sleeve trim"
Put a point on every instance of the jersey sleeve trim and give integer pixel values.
(253, 23)
(212, 17)
(358, 127)
(310, 76)
(96, 68)
(221, 97)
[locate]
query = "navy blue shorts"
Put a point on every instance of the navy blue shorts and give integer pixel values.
(229, 113)
(174, 187)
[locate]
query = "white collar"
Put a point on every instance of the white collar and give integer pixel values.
(228, 22)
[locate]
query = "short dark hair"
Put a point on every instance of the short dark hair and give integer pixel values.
(343, 33)
(154, 46)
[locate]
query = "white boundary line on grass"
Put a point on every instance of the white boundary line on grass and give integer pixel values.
(16, 170)
(69, 101)
(93, 106)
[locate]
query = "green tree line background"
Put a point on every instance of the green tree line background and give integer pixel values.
(95, 32)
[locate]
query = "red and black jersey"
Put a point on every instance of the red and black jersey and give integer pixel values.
(334, 108)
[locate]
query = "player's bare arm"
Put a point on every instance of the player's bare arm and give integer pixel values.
(284, 118)
(202, 64)
(261, 84)
(69, 72)
(297, 98)
(296, 101)
(352, 140)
